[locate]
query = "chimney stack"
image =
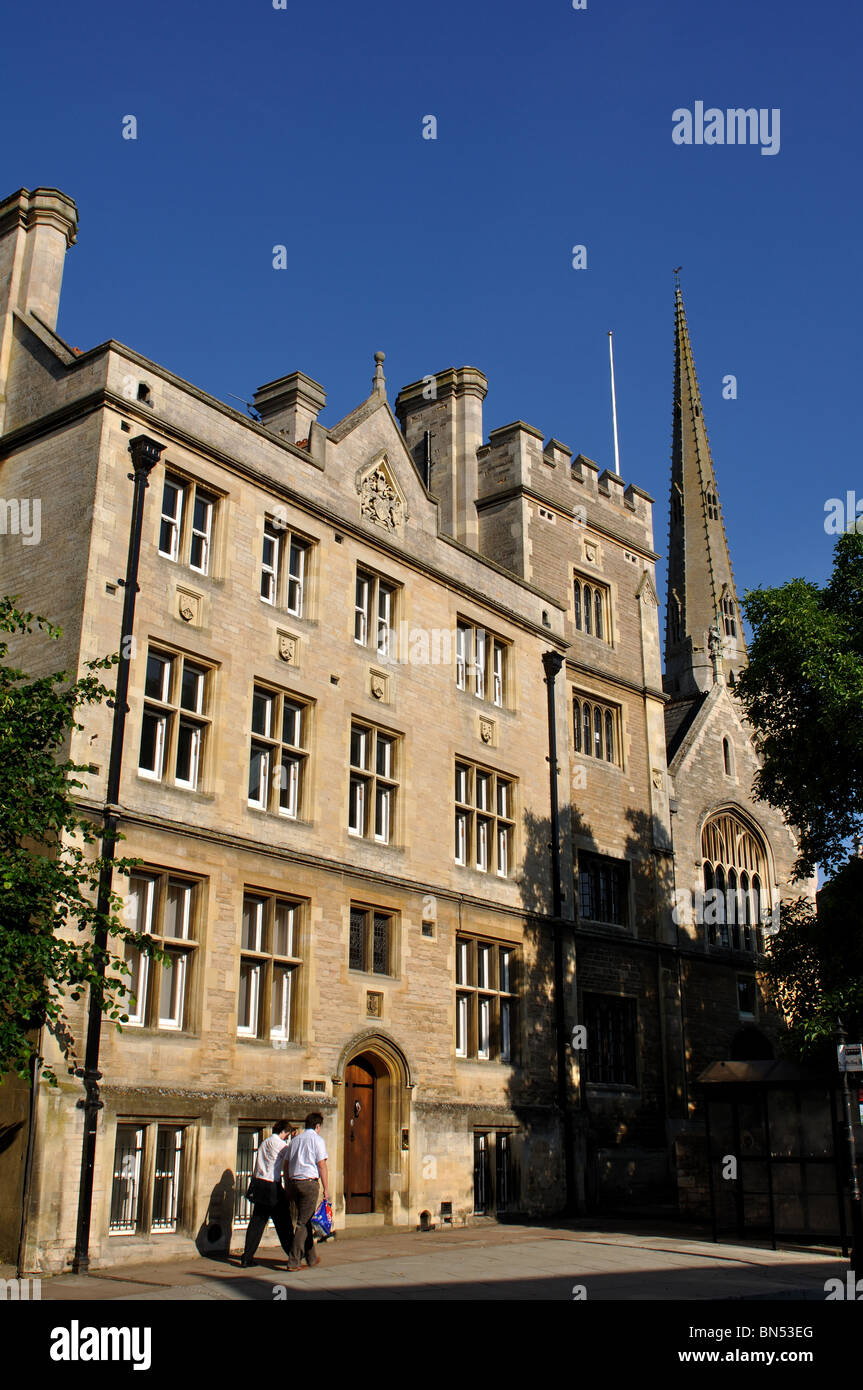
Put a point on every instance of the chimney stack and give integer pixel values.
(36, 229)
(290, 406)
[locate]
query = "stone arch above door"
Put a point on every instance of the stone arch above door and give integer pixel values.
(382, 1046)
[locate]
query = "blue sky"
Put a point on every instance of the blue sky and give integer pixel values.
(303, 127)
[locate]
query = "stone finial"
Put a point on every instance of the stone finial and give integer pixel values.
(379, 383)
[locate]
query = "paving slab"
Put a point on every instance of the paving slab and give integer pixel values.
(516, 1263)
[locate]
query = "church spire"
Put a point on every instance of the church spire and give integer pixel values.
(704, 641)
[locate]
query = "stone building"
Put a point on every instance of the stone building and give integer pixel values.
(336, 778)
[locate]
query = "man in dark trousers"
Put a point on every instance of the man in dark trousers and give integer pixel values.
(306, 1166)
(268, 1194)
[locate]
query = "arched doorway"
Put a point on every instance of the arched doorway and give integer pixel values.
(359, 1176)
(374, 1131)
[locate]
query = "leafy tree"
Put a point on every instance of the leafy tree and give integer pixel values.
(48, 882)
(814, 966)
(802, 692)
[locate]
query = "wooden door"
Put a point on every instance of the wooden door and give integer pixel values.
(359, 1137)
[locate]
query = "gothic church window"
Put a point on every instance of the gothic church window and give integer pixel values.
(734, 863)
(729, 619)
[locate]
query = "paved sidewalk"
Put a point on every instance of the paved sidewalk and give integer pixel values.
(522, 1263)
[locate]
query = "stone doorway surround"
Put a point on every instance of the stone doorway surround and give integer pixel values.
(394, 1083)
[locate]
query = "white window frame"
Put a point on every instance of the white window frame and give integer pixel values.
(157, 772)
(157, 893)
(485, 999)
(373, 783)
(271, 569)
(462, 1023)
(481, 662)
(362, 602)
(261, 962)
(253, 974)
(374, 603)
(172, 520)
(297, 549)
(484, 818)
(274, 790)
(204, 533)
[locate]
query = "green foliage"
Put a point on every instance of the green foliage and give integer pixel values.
(803, 694)
(814, 967)
(48, 880)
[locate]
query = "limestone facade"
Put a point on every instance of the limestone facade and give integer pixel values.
(338, 720)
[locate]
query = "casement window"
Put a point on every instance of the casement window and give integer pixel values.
(596, 729)
(494, 1176)
(374, 612)
(373, 784)
(371, 943)
(186, 524)
(592, 608)
(270, 961)
(485, 1000)
(175, 724)
(284, 568)
(484, 819)
(603, 889)
(279, 754)
(249, 1140)
(612, 1039)
(164, 907)
(156, 1152)
(481, 661)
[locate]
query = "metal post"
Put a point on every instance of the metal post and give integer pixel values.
(145, 455)
(856, 1252)
(552, 662)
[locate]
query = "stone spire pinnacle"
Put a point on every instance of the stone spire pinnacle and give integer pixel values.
(704, 641)
(379, 382)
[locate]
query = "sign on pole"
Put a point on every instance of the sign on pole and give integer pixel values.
(850, 1056)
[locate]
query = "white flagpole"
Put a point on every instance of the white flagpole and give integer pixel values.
(614, 409)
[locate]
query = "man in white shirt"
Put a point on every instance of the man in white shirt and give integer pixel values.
(306, 1165)
(268, 1194)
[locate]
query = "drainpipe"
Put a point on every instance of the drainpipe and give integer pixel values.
(145, 455)
(552, 662)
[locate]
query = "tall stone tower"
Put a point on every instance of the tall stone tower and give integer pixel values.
(704, 641)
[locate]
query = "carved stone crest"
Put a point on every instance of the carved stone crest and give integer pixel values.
(486, 730)
(379, 500)
(590, 552)
(657, 779)
(287, 647)
(188, 606)
(378, 687)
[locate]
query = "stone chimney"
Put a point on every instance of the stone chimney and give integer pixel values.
(290, 406)
(36, 229)
(448, 406)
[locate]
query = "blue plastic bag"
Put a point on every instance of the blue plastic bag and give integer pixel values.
(322, 1222)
